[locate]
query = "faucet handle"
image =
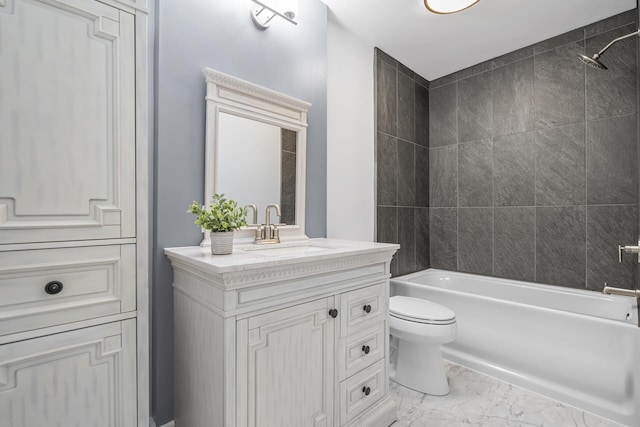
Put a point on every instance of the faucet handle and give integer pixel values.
(628, 249)
(260, 234)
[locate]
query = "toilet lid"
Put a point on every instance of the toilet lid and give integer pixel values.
(419, 310)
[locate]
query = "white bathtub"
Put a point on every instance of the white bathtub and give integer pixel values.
(579, 347)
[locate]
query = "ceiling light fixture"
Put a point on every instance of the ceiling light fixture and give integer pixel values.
(444, 7)
(263, 11)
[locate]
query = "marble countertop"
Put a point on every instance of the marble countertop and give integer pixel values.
(250, 256)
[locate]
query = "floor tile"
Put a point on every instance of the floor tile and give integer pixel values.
(479, 400)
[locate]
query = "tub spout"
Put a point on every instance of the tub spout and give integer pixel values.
(609, 290)
(634, 293)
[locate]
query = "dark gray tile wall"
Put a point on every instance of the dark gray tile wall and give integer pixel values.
(533, 162)
(512, 98)
(561, 245)
(443, 173)
(475, 177)
(515, 250)
(475, 108)
(560, 166)
(523, 167)
(612, 93)
(443, 238)
(559, 86)
(514, 170)
(612, 160)
(475, 240)
(402, 163)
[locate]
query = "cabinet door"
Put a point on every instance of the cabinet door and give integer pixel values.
(83, 378)
(289, 362)
(67, 121)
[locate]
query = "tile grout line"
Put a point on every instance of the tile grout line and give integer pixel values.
(397, 169)
(457, 179)
(586, 174)
(535, 177)
(493, 177)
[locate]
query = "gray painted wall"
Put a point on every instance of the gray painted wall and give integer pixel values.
(533, 171)
(191, 35)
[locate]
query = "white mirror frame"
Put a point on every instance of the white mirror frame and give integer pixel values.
(228, 94)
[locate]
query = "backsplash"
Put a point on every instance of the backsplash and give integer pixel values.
(532, 164)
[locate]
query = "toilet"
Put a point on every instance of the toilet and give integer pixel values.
(421, 327)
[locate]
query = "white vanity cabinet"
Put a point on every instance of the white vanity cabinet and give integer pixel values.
(73, 213)
(282, 340)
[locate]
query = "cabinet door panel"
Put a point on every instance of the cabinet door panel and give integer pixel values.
(290, 367)
(83, 378)
(67, 157)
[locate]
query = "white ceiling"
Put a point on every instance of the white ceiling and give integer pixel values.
(436, 45)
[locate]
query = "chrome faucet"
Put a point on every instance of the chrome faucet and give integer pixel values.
(268, 233)
(272, 229)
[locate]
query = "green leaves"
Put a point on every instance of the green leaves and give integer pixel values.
(222, 215)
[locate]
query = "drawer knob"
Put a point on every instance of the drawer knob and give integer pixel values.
(366, 390)
(367, 308)
(333, 312)
(366, 349)
(53, 287)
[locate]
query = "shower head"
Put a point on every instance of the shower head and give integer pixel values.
(592, 62)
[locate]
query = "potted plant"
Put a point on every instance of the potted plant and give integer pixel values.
(222, 218)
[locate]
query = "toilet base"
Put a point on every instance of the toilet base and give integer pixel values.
(419, 367)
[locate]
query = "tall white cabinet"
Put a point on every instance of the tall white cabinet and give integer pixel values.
(73, 213)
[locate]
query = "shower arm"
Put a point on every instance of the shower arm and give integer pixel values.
(597, 55)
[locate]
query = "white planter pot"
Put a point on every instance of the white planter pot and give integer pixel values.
(221, 242)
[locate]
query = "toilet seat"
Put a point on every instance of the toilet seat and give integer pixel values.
(420, 311)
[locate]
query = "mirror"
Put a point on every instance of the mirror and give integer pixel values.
(255, 151)
(268, 174)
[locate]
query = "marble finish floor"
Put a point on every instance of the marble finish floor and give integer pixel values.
(480, 400)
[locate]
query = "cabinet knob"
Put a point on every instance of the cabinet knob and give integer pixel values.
(366, 349)
(366, 390)
(53, 287)
(333, 312)
(367, 308)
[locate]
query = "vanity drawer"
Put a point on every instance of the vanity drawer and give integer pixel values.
(361, 350)
(362, 309)
(362, 390)
(46, 287)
